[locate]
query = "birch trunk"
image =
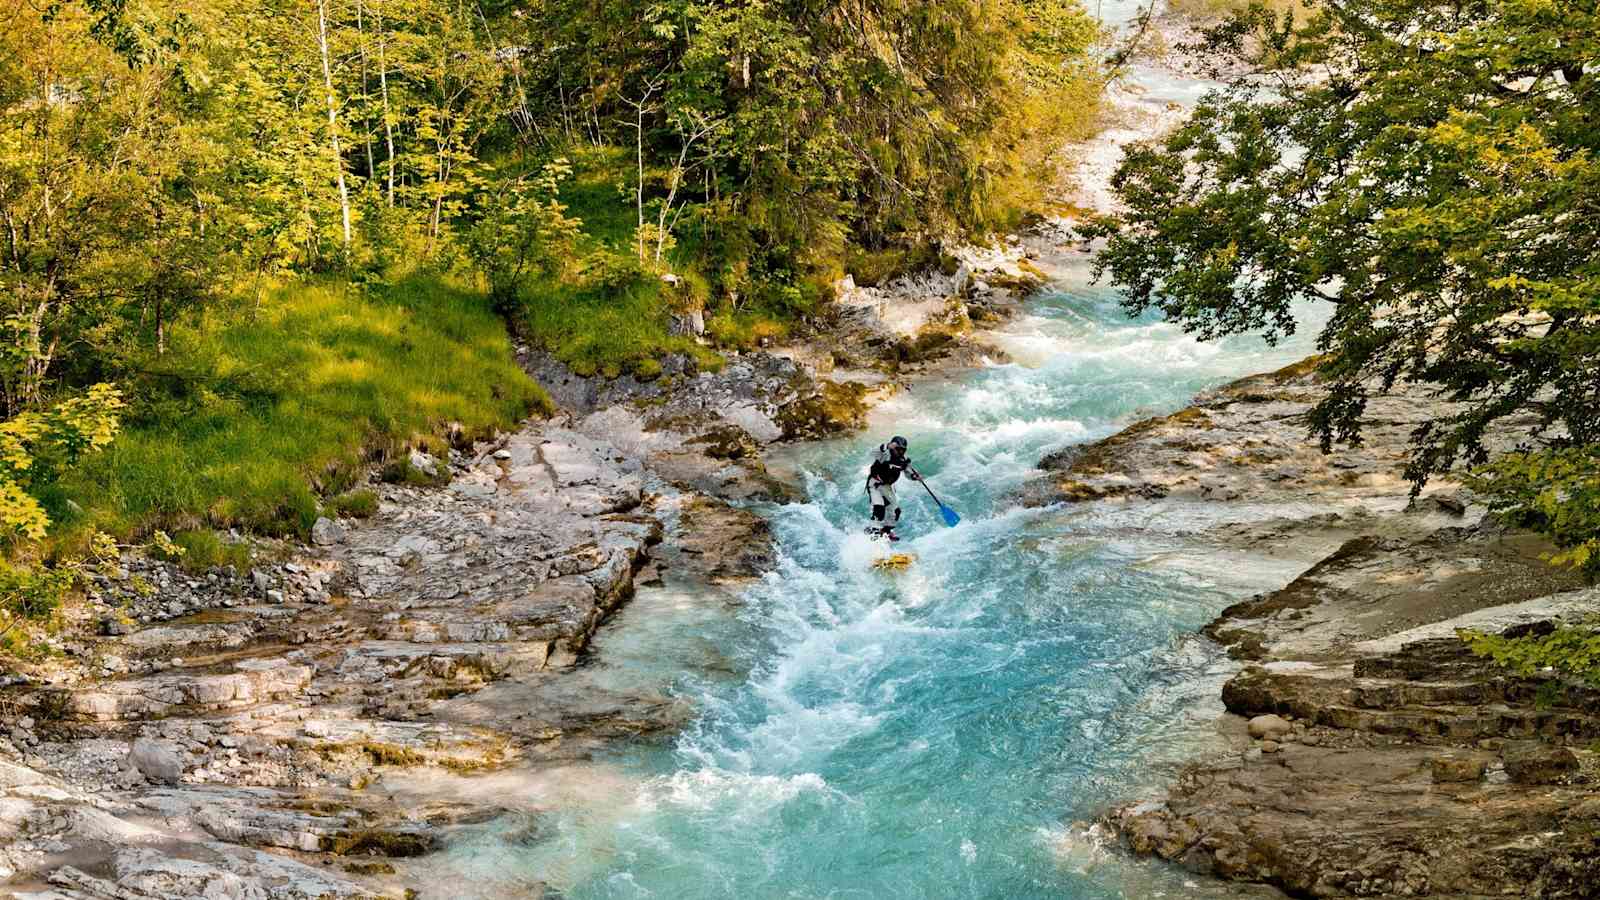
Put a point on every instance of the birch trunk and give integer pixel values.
(333, 118)
(383, 85)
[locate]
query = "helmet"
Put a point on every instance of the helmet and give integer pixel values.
(897, 443)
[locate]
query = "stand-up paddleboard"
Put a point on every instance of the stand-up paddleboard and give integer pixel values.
(894, 562)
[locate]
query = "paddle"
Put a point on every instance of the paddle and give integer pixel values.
(950, 517)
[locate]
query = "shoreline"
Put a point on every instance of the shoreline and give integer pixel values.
(1374, 754)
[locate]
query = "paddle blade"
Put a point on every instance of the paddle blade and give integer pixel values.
(950, 517)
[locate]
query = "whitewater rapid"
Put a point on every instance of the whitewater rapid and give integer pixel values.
(948, 731)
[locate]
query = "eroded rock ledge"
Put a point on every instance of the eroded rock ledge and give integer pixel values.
(1375, 755)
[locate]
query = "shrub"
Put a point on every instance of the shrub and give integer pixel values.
(1572, 650)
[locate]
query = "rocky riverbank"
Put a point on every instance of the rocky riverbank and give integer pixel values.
(1375, 755)
(319, 724)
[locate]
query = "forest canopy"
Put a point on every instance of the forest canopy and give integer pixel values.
(1431, 171)
(246, 245)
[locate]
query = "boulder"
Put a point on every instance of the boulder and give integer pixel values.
(1534, 762)
(1456, 769)
(1269, 728)
(160, 761)
(326, 532)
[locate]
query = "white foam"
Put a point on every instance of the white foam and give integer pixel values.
(738, 794)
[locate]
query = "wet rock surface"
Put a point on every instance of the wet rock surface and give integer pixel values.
(1375, 754)
(231, 733)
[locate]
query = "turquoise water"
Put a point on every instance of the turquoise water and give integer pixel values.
(943, 732)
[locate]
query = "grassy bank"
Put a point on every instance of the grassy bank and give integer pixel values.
(250, 420)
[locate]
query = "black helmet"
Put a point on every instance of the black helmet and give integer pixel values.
(897, 443)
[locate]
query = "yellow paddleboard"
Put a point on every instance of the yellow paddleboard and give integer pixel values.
(894, 562)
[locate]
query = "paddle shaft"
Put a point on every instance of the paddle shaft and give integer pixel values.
(925, 487)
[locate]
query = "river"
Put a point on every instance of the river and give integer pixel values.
(947, 730)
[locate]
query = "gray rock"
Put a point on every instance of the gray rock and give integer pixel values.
(326, 532)
(157, 760)
(425, 463)
(114, 626)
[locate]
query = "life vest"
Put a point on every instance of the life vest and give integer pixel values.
(885, 468)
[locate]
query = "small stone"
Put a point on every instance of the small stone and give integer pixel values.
(1270, 746)
(1269, 727)
(260, 580)
(274, 596)
(502, 454)
(114, 626)
(157, 760)
(1456, 769)
(25, 723)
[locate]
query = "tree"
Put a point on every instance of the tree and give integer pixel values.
(524, 229)
(1430, 170)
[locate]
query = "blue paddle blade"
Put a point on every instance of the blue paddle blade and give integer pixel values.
(950, 517)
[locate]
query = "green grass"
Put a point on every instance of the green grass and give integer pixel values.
(360, 504)
(243, 422)
(204, 549)
(609, 329)
(744, 329)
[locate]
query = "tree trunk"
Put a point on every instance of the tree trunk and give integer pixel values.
(366, 107)
(333, 118)
(383, 83)
(638, 194)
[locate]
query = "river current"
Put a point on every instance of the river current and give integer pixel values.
(949, 730)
